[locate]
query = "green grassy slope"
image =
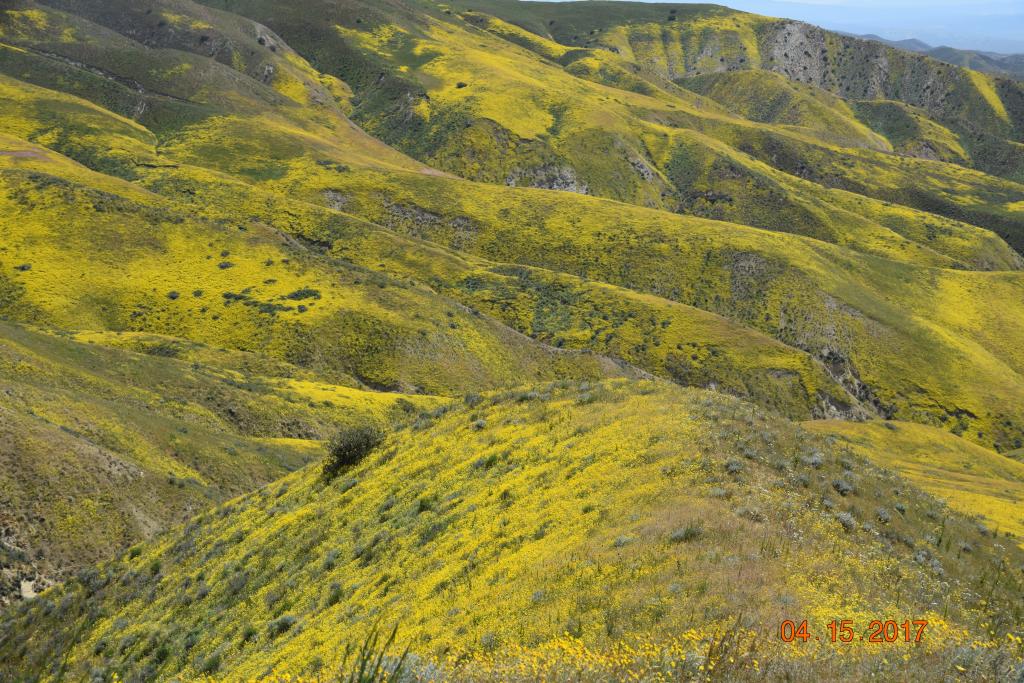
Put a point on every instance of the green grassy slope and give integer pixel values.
(166, 177)
(1011, 66)
(771, 98)
(237, 285)
(169, 70)
(848, 310)
(910, 131)
(678, 40)
(686, 344)
(529, 111)
(850, 313)
(85, 250)
(103, 447)
(709, 265)
(504, 524)
(974, 481)
(816, 389)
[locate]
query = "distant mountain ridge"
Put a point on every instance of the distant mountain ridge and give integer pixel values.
(996, 63)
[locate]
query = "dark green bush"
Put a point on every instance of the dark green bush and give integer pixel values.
(280, 625)
(349, 447)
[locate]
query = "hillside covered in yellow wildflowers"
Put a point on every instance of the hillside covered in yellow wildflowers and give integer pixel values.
(490, 528)
(578, 341)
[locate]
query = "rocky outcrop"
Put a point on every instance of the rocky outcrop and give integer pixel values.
(548, 177)
(863, 69)
(22, 576)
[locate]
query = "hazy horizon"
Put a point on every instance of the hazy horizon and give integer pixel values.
(986, 25)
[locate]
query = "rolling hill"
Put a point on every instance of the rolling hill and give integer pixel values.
(485, 528)
(675, 321)
(103, 447)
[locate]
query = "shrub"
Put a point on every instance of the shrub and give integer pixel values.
(303, 294)
(733, 466)
(280, 625)
(751, 513)
(622, 541)
(330, 560)
(842, 487)
(272, 597)
(483, 463)
(815, 460)
(431, 532)
(406, 406)
(191, 638)
(349, 447)
(237, 582)
(334, 595)
(847, 520)
(690, 532)
(210, 665)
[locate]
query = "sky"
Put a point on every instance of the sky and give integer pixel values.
(987, 25)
